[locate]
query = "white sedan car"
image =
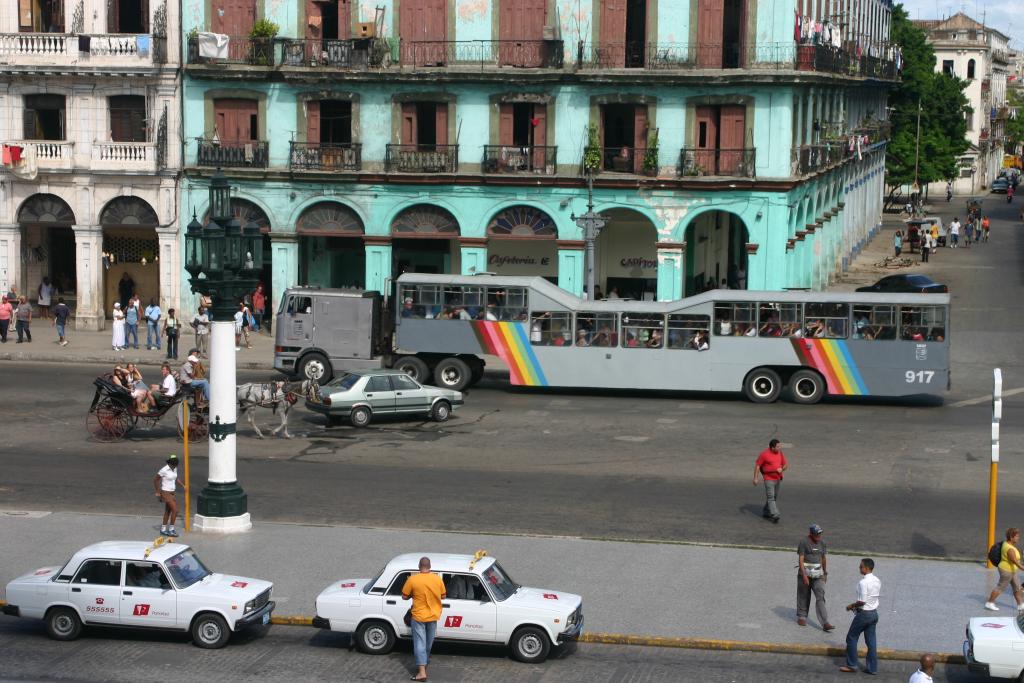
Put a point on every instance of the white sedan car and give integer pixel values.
(135, 584)
(483, 605)
(995, 646)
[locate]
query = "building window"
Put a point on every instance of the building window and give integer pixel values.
(624, 137)
(41, 16)
(329, 121)
(947, 67)
(969, 118)
(424, 123)
(44, 117)
(127, 118)
(128, 16)
(970, 70)
(236, 120)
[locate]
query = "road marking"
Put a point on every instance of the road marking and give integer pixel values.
(633, 439)
(987, 399)
(667, 420)
(25, 514)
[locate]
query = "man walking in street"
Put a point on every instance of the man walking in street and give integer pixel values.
(61, 313)
(152, 325)
(165, 483)
(813, 573)
(954, 232)
(426, 590)
(770, 465)
(865, 620)
(924, 673)
(1009, 563)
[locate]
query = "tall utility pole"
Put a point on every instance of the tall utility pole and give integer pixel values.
(591, 223)
(917, 153)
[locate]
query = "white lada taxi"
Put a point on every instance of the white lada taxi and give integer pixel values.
(995, 646)
(483, 605)
(134, 584)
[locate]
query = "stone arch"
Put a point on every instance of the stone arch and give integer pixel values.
(425, 220)
(331, 250)
(246, 211)
(329, 218)
(522, 221)
(46, 209)
(425, 239)
(521, 240)
(716, 250)
(128, 212)
(627, 254)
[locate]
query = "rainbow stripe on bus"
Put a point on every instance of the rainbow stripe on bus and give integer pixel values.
(511, 343)
(832, 358)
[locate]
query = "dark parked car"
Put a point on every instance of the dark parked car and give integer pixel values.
(906, 283)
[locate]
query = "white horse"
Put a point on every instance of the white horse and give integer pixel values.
(274, 395)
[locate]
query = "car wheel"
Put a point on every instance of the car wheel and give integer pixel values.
(441, 411)
(360, 416)
(530, 644)
(315, 366)
(210, 631)
(452, 373)
(762, 385)
(414, 367)
(62, 623)
(375, 637)
(807, 386)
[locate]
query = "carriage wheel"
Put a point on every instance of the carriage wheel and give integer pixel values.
(198, 422)
(108, 422)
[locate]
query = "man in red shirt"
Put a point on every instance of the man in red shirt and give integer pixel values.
(770, 465)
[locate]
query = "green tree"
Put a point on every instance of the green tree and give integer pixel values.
(1015, 127)
(943, 106)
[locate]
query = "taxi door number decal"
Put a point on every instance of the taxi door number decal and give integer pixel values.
(550, 596)
(239, 584)
(99, 601)
(452, 622)
(348, 585)
(141, 611)
(991, 625)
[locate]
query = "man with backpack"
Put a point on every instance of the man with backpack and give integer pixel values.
(1006, 558)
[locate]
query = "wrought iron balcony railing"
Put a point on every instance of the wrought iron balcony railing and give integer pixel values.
(232, 154)
(239, 50)
(325, 156)
(421, 159)
(735, 163)
(620, 159)
(517, 160)
(358, 53)
(536, 54)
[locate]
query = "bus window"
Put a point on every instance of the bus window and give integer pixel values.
(734, 319)
(506, 303)
(874, 322)
(826, 321)
(688, 332)
(643, 330)
(551, 328)
(778, 320)
(596, 329)
(923, 323)
(421, 301)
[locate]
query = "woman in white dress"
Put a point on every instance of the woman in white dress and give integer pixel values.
(118, 341)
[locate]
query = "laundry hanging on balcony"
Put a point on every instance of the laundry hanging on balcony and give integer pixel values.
(142, 45)
(84, 43)
(20, 161)
(213, 45)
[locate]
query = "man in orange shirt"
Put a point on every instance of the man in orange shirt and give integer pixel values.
(770, 465)
(426, 590)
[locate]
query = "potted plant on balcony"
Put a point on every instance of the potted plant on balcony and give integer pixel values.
(650, 162)
(592, 154)
(262, 35)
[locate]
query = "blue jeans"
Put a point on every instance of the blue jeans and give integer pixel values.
(60, 331)
(152, 335)
(422, 640)
(203, 384)
(864, 622)
(131, 330)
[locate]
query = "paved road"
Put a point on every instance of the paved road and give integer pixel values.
(288, 654)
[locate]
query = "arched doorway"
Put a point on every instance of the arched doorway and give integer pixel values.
(716, 252)
(48, 246)
(425, 239)
(248, 212)
(331, 252)
(522, 240)
(130, 251)
(626, 258)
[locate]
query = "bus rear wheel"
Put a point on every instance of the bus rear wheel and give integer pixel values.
(807, 386)
(762, 385)
(452, 373)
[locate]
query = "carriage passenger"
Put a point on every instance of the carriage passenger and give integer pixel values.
(190, 374)
(168, 387)
(144, 401)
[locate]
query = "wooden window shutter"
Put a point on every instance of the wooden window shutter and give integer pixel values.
(409, 134)
(29, 119)
(505, 123)
(25, 16)
(314, 19)
(344, 19)
(441, 117)
(313, 121)
(639, 136)
(144, 8)
(732, 127)
(540, 131)
(113, 9)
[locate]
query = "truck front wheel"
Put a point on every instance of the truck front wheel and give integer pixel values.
(414, 367)
(315, 366)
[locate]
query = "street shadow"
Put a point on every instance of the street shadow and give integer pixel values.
(922, 545)
(753, 510)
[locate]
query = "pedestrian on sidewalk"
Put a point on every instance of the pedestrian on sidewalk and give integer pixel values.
(865, 620)
(61, 313)
(44, 295)
(153, 313)
(117, 338)
(259, 306)
(813, 566)
(897, 242)
(925, 671)
(6, 313)
(954, 232)
(1009, 563)
(201, 325)
(926, 246)
(426, 590)
(771, 463)
(131, 325)
(23, 320)
(171, 330)
(242, 326)
(165, 484)
(985, 226)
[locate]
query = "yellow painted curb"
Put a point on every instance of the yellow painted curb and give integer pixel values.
(292, 621)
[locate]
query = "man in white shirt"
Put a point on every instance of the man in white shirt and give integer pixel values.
(924, 674)
(866, 607)
(168, 387)
(164, 483)
(954, 232)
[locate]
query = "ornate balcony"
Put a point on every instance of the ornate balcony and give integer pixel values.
(622, 159)
(124, 156)
(813, 158)
(422, 159)
(98, 49)
(239, 50)
(358, 53)
(734, 163)
(50, 154)
(513, 160)
(325, 156)
(535, 54)
(231, 154)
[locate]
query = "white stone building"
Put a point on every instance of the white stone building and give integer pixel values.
(980, 55)
(89, 99)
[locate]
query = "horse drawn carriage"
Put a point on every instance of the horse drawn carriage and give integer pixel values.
(113, 413)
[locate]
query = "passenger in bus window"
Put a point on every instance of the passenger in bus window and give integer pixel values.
(937, 334)
(699, 342)
(815, 329)
(491, 312)
(724, 326)
(463, 314)
(836, 329)
(407, 309)
(581, 338)
(655, 340)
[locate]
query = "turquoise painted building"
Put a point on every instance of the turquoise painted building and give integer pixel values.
(729, 142)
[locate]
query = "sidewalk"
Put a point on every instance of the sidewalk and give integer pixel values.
(628, 588)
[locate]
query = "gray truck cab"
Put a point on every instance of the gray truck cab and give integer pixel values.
(320, 332)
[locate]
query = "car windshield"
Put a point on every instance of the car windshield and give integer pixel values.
(186, 568)
(502, 586)
(346, 381)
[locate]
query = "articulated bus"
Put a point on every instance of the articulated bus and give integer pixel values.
(815, 344)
